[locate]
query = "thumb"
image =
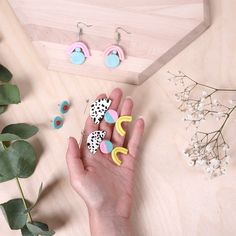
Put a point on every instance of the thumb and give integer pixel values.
(74, 161)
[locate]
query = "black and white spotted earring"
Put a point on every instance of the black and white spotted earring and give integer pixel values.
(98, 109)
(94, 140)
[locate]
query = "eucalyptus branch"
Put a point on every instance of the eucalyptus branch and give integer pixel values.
(21, 191)
(18, 159)
(207, 149)
(23, 199)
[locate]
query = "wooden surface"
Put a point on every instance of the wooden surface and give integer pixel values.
(160, 29)
(171, 199)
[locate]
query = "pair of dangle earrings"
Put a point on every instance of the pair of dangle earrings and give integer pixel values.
(114, 54)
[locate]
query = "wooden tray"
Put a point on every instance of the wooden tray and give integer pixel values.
(160, 29)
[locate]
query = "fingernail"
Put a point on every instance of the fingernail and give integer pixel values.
(70, 138)
(141, 117)
(129, 97)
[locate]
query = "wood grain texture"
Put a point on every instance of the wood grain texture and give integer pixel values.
(171, 199)
(159, 31)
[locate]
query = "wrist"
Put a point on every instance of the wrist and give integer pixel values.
(108, 223)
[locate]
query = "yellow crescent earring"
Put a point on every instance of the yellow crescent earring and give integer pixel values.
(115, 152)
(119, 122)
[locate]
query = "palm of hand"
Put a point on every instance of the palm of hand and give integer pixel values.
(103, 185)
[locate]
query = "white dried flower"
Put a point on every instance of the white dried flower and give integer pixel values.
(191, 163)
(225, 147)
(215, 102)
(204, 93)
(209, 148)
(206, 150)
(201, 162)
(214, 163)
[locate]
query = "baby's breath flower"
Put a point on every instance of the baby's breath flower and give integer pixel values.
(206, 150)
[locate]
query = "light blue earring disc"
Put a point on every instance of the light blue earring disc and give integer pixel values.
(77, 57)
(112, 60)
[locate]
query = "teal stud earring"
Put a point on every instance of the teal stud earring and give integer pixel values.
(114, 54)
(64, 107)
(57, 122)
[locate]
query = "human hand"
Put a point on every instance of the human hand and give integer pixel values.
(106, 188)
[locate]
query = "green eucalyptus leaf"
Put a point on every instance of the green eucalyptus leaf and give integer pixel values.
(22, 130)
(39, 228)
(3, 109)
(5, 167)
(5, 74)
(26, 232)
(9, 94)
(13, 212)
(8, 137)
(19, 160)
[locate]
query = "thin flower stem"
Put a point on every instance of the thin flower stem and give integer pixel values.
(228, 115)
(200, 84)
(226, 90)
(218, 133)
(23, 199)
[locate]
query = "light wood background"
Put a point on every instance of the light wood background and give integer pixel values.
(170, 197)
(159, 30)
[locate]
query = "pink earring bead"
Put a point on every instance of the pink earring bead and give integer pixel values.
(106, 146)
(111, 116)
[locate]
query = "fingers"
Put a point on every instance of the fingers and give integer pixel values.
(136, 137)
(126, 109)
(115, 96)
(74, 162)
(128, 161)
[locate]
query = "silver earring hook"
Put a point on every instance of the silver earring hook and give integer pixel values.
(80, 29)
(118, 34)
